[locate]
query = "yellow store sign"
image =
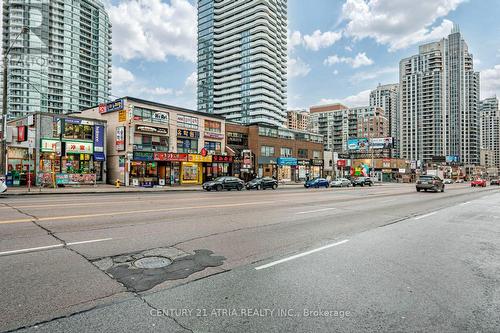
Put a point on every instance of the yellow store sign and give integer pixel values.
(199, 158)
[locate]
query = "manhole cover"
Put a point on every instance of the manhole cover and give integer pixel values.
(152, 262)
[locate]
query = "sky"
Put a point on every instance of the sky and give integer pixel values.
(338, 49)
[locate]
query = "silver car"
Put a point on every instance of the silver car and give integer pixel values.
(340, 182)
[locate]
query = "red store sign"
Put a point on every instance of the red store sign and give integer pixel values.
(172, 157)
(224, 159)
(341, 163)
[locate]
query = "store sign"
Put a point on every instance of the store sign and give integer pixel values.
(222, 159)
(171, 157)
(402, 170)
(303, 162)
(247, 159)
(187, 121)
(188, 134)
(317, 162)
(344, 156)
(358, 144)
(216, 136)
(199, 158)
(143, 156)
(151, 129)
(117, 105)
(341, 163)
(160, 116)
(99, 138)
(22, 133)
(290, 161)
(49, 145)
(120, 138)
(73, 147)
(102, 108)
(122, 116)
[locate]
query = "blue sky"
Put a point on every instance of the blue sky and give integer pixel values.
(338, 49)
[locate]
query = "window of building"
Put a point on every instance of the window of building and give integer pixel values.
(267, 151)
(286, 152)
(316, 154)
(213, 147)
(302, 153)
(187, 146)
(213, 126)
(77, 131)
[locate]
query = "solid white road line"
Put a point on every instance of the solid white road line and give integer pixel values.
(48, 247)
(315, 211)
(424, 216)
(300, 255)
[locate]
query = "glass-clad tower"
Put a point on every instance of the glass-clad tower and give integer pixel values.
(242, 60)
(63, 64)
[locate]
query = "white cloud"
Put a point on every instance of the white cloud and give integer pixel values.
(361, 59)
(121, 76)
(297, 68)
(336, 72)
(192, 80)
(154, 30)
(360, 99)
(319, 40)
(490, 82)
(398, 24)
(371, 75)
(294, 39)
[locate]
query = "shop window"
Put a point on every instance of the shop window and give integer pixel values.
(267, 151)
(213, 147)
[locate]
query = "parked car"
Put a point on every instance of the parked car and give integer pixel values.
(362, 181)
(430, 183)
(262, 183)
(459, 181)
(317, 183)
(341, 182)
(495, 182)
(3, 187)
(478, 182)
(448, 181)
(224, 183)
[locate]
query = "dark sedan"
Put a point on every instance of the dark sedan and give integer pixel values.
(224, 183)
(362, 181)
(317, 183)
(262, 183)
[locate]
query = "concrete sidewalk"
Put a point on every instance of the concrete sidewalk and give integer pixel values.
(105, 188)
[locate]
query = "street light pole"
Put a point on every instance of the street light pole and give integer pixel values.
(3, 150)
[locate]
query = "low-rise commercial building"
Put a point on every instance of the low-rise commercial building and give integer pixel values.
(49, 150)
(262, 150)
(154, 144)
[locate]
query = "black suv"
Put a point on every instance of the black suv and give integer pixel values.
(224, 183)
(362, 181)
(262, 183)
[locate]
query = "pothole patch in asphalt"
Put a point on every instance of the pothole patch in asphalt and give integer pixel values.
(143, 270)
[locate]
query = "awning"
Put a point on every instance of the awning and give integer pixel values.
(232, 151)
(99, 156)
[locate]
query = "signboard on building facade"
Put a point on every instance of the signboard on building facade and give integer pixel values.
(49, 145)
(199, 158)
(381, 143)
(99, 138)
(217, 136)
(151, 129)
(358, 144)
(120, 138)
(122, 116)
(143, 156)
(160, 116)
(188, 134)
(187, 121)
(77, 147)
(222, 159)
(289, 161)
(117, 105)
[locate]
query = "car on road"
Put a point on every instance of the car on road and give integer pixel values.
(362, 181)
(340, 182)
(262, 183)
(430, 183)
(460, 181)
(224, 183)
(478, 182)
(317, 183)
(448, 181)
(495, 182)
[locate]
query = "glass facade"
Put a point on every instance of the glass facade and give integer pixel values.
(64, 63)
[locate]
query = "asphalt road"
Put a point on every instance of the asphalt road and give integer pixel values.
(383, 258)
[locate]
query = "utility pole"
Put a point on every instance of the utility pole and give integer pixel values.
(3, 149)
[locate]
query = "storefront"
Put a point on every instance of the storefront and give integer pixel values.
(169, 167)
(143, 169)
(193, 170)
(220, 166)
(267, 167)
(285, 167)
(302, 170)
(316, 168)
(20, 166)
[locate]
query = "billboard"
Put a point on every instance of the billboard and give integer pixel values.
(357, 144)
(452, 159)
(382, 143)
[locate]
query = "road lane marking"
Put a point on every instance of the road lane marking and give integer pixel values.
(465, 203)
(66, 217)
(424, 216)
(277, 262)
(315, 211)
(48, 247)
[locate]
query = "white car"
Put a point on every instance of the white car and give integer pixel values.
(341, 182)
(3, 187)
(459, 181)
(448, 181)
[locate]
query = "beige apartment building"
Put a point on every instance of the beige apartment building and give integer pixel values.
(154, 144)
